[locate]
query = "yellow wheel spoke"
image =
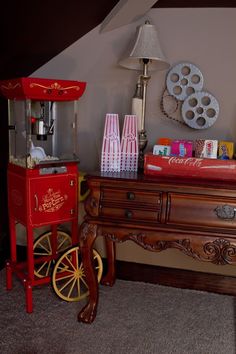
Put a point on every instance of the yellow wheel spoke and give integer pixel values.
(59, 246)
(72, 287)
(42, 254)
(78, 287)
(65, 277)
(65, 265)
(83, 280)
(77, 258)
(66, 284)
(41, 250)
(72, 265)
(42, 266)
(48, 267)
(65, 268)
(47, 243)
(81, 266)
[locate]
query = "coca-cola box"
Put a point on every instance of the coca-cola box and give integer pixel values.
(189, 167)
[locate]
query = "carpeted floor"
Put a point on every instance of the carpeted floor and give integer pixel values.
(133, 318)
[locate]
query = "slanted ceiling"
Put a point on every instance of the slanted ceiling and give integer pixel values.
(33, 32)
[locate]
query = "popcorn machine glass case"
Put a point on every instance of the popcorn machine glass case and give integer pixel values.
(42, 120)
(42, 170)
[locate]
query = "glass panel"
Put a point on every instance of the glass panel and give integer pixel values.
(65, 137)
(41, 132)
(17, 132)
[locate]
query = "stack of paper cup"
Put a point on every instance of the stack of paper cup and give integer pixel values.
(129, 144)
(111, 155)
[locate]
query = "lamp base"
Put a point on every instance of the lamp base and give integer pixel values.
(142, 146)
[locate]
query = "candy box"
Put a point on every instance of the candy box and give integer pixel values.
(226, 150)
(183, 148)
(206, 148)
(161, 150)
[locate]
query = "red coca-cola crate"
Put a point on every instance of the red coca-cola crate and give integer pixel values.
(189, 167)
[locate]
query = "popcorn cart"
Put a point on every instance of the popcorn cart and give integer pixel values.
(42, 177)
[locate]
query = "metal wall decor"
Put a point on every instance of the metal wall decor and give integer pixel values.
(184, 79)
(184, 100)
(200, 110)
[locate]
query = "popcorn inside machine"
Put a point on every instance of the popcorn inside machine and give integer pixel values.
(42, 173)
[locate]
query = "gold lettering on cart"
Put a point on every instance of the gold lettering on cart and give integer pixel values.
(52, 201)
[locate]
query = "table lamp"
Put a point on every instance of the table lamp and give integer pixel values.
(145, 55)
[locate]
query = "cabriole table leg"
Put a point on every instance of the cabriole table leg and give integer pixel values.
(88, 234)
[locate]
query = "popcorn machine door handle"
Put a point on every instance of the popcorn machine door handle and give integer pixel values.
(36, 202)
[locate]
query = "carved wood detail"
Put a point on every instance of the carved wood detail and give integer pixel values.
(87, 231)
(91, 205)
(220, 251)
(142, 240)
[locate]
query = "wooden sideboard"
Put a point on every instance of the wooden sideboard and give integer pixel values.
(196, 217)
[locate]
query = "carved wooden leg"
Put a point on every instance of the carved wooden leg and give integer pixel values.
(87, 236)
(110, 277)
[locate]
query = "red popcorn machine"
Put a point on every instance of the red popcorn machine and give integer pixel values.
(42, 173)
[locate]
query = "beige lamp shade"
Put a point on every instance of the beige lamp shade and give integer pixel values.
(146, 46)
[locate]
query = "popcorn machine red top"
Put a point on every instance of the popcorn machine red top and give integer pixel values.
(43, 163)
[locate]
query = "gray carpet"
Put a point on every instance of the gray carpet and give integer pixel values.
(133, 318)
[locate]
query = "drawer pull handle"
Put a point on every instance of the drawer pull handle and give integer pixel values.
(225, 212)
(130, 195)
(128, 214)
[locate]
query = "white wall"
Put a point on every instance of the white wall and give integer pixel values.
(204, 37)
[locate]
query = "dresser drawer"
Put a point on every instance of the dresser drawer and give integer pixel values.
(130, 214)
(130, 195)
(201, 211)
